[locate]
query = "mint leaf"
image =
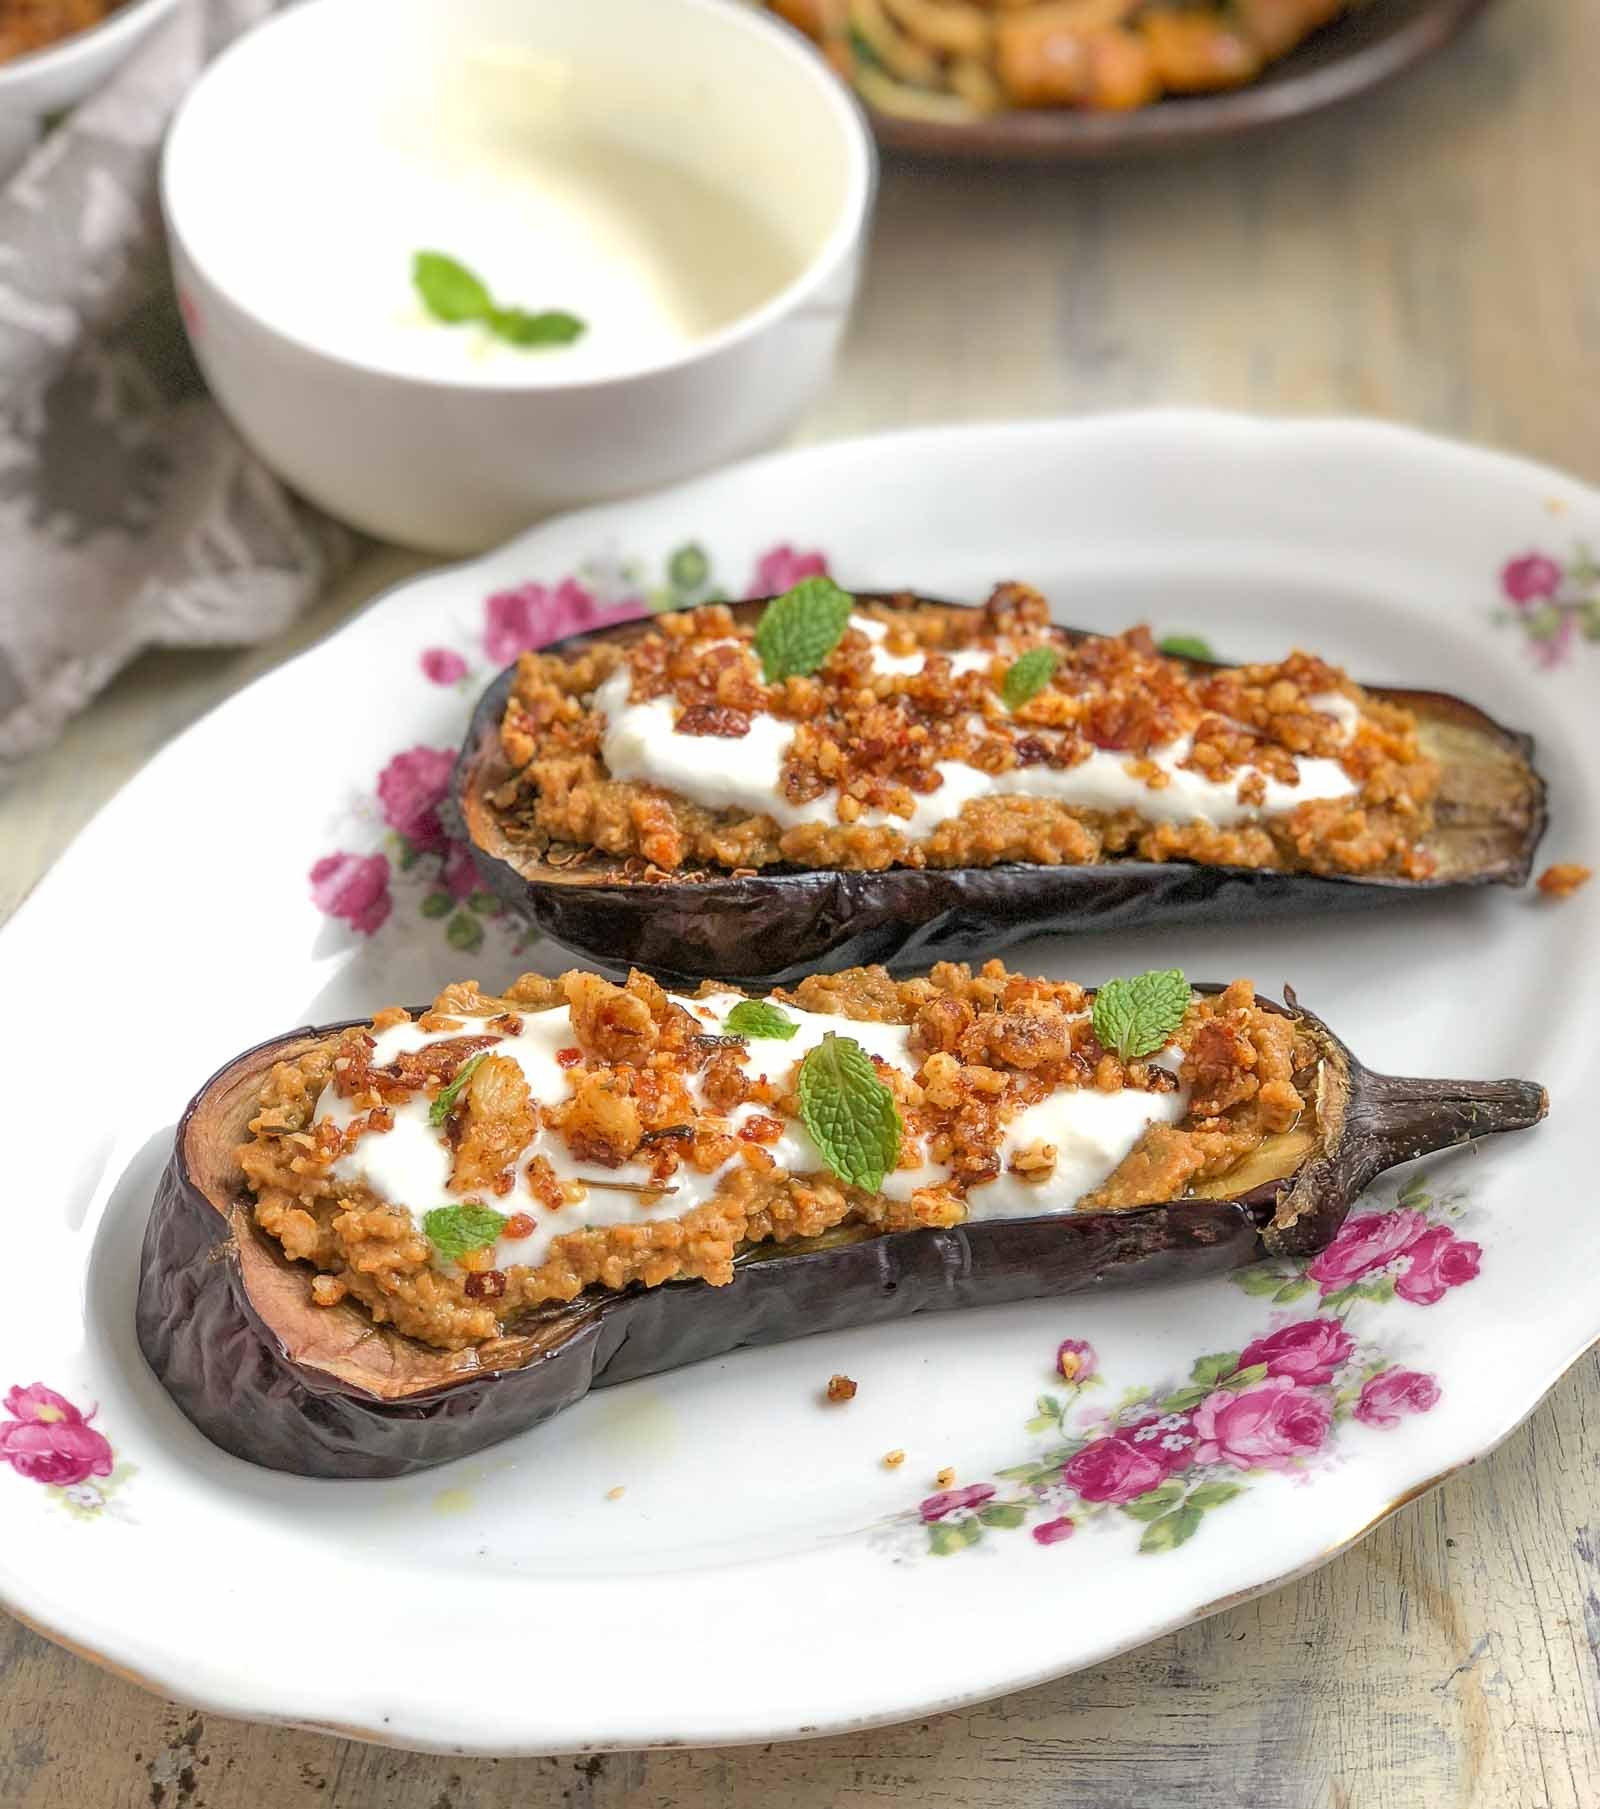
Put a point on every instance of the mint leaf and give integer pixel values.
(449, 291)
(1186, 647)
(798, 630)
(454, 294)
(554, 326)
(1137, 1017)
(1028, 675)
(445, 1099)
(454, 1230)
(755, 1017)
(850, 1113)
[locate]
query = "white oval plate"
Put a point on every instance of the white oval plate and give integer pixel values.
(764, 1574)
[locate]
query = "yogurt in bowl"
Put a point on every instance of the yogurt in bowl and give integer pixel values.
(680, 178)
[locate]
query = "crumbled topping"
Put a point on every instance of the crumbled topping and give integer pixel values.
(867, 740)
(646, 1084)
(1563, 879)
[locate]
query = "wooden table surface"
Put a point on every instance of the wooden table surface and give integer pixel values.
(1431, 254)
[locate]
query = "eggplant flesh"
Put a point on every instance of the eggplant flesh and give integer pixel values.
(769, 928)
(228, 1324)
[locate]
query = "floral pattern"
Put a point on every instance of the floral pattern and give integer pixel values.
(1555, 605)
(419, 856)
(1166, 1456)
(46, 1439)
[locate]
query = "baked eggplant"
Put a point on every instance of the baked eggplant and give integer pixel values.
(229, 1325)
(767, 927)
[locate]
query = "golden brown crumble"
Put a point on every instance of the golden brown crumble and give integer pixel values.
(869, 741)
(1563, 879)
(984, 1046)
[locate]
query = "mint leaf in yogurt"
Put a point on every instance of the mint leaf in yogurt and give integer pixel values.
(449, 291)
(755, 1017)
(455, 1230)
(444, 1101)
(1137, 1017)
(459, 296)
(850, 1113)
(552, 327)
(798, 630)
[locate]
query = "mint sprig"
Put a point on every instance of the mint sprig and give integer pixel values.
(454, 1230)
(1186, 647)
(456, 295)
(850, 1113)
(1137, 1017)
(1027, 676)
(755, 1017)
(551, 326)
(444, 1101)
(798, 630)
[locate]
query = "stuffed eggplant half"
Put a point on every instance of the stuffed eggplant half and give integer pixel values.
(748, 793)
(380, 1246)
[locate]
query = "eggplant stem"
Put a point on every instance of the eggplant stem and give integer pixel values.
(1397, 1118)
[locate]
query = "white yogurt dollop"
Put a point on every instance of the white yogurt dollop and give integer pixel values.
(642, 746)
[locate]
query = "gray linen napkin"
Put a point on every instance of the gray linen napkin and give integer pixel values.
(131, 514)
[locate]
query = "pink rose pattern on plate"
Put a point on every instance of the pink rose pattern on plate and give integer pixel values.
(48, 1440)
(1554, 605)
(1166, 1456)
(420, 856)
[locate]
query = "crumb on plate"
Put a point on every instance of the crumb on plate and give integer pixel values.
(841, 1388)
(615, 1494)
(892, 1460)
(945, 1478)
(1563, 879)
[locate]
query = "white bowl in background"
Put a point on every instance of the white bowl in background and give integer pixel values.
(685, 175)
(60, 75)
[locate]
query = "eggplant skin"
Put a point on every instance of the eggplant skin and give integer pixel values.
(770, 928)
(228, 1325)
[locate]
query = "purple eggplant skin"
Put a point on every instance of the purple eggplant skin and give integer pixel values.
(227, 1323)
(771, 928)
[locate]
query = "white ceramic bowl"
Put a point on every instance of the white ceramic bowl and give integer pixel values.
(62, 74)
(724, 182)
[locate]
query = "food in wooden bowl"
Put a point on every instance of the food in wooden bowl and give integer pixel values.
(744, 793)
(378, 1247)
